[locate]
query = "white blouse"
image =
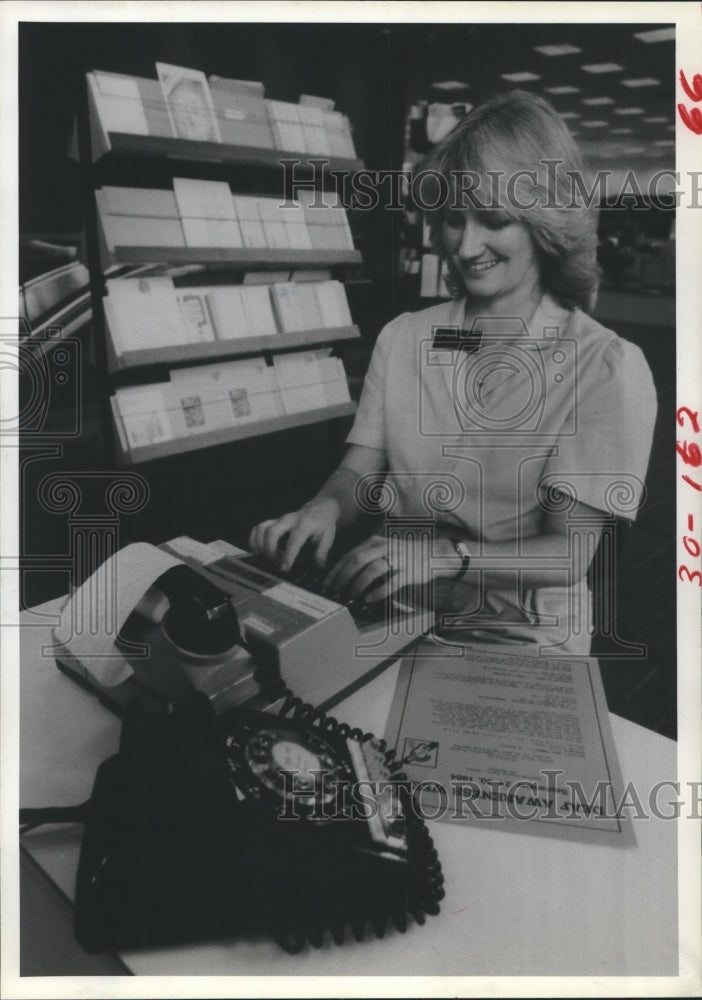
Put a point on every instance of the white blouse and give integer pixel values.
(489, 441)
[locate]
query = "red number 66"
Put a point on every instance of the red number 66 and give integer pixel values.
(692, 117)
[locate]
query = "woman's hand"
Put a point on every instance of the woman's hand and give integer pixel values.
(281, 540)
(380, 566)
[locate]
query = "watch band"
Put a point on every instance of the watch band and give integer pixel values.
(462, 551)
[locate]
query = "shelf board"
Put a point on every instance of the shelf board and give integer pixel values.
(230, 348)
(192, 150)
(234, 257)
(226, 435)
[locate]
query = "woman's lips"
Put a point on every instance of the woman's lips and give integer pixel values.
(480, 266)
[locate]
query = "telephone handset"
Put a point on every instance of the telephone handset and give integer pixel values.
(210, 826)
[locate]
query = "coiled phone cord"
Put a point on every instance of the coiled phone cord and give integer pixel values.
(427, 892)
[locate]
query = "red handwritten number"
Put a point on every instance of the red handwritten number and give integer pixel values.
(692, 546)
(690, 577)
(690, 453)
(691, 415)
(691, 117)
(692, 483)
(694, 92)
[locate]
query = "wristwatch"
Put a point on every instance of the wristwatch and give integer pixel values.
(462, 551)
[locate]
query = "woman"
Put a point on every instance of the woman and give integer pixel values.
(539, 435)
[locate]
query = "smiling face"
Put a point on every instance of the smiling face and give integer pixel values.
(495, 257)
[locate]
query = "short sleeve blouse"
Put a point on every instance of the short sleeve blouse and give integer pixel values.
(561, 406)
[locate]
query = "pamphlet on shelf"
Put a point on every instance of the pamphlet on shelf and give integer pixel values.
(189, 102)
(340, 218)
(327, 222)
(259, 310)
(197, 408)
(309, 305)
(333, 305)
(156, 203)
(241, 112)
(300, 381)
(227, 394)
(117, 103)
(339, 133)
(333, 378)
(247, 212)
(293, 215)
(287, 131)
(228, 311)
(277, 235)
(144, 413)
(207, 212)
(310, 101)
(155, 109)
(313, 130)
(144, 312)
(149, 225)
(196, 314)
(288, 306)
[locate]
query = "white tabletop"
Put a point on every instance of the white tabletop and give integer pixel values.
(515, 904)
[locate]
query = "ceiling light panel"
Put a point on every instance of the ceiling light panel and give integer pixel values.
(449, 85)
(656, 35)
(524, 77)
(628, 111)
(564, 89)
(595, 102)
(602, 68)
(557, 50)
(641, 81)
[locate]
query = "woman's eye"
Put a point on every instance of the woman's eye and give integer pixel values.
(454, 220)
(495, 220)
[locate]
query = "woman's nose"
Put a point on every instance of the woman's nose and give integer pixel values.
(472, 240)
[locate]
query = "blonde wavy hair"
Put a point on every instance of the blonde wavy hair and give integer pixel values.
(518, 135)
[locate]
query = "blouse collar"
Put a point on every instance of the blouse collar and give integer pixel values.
(548, 318)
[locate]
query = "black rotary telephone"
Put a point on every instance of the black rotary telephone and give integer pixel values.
(207, 826)
(210, 826)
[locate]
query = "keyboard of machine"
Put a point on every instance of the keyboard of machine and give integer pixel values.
(308, 576)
